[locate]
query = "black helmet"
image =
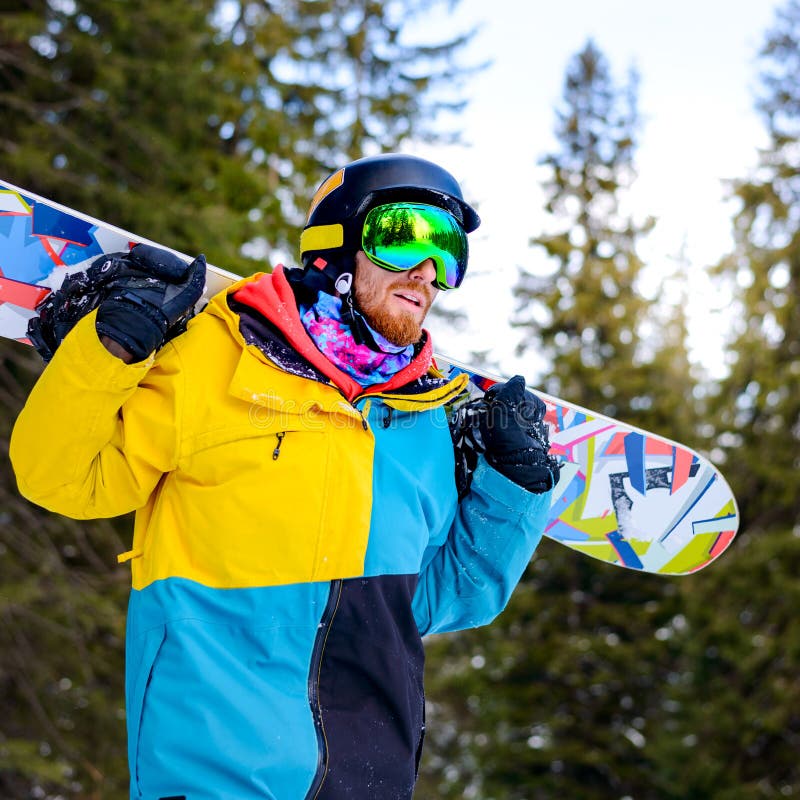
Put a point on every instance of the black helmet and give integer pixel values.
(341, 203)
(332, 233)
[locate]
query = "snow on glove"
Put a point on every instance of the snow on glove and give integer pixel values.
(60, 311)
(145, 297)
(515, 436)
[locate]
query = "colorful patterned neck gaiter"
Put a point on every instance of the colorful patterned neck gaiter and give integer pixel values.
(334, 339)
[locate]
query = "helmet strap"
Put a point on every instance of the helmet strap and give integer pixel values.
(318, 274)
(351, 316)
(321, 275)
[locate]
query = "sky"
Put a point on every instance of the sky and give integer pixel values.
(697, 61)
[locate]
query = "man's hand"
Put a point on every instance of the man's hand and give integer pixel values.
(151, 292)
(143, 298)
(117, 350)
(515, 436)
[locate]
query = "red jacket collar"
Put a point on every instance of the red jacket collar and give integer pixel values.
(272, 296)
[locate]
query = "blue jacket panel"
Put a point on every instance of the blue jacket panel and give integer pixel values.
(413, 488)
(217, 690)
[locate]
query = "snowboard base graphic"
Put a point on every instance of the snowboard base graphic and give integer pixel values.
(626, 496)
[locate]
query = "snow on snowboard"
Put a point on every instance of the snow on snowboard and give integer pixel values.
(626, 496)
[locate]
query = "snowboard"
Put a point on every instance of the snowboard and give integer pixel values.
(626, 496)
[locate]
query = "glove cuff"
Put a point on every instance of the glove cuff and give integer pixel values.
(529, 467)
(139, 333)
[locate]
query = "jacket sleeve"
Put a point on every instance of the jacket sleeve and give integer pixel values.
(467, 581)
(96, 434)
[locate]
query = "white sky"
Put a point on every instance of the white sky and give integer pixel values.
(698, 71)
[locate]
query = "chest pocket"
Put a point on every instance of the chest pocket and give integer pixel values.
(280, 493)
(244, 431)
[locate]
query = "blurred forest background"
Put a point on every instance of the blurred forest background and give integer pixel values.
(205, 125)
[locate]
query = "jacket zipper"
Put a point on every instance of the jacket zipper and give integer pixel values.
(277, 451)
(323, 629)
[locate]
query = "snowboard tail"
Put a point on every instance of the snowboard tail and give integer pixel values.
(626, 496)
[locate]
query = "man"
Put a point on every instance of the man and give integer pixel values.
(298, 525)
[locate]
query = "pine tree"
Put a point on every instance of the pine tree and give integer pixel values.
(590, 302)
(730, 721)
(759, 423)
(61, 634)
(122, 110)
(735, 707)
(672, 399)
(354, 77)
(207, 124)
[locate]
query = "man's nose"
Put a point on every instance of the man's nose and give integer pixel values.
(425, 271)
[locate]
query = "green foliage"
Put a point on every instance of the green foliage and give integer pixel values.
(556, 698)
(588, 315)
(107, 108)
(355, 75)
(206, 124)
(598, 683)
(734, 723)
(590, 302)
(758, 407)
(740, 698)
(61, 634)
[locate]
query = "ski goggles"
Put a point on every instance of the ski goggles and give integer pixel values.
(400, 236)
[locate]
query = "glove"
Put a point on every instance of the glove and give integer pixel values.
(143, 297)
(60, 311)
(151, 296)
(515, 437)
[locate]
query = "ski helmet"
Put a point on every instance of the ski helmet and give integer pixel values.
(332, 233)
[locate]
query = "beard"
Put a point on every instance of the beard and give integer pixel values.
(401, 328)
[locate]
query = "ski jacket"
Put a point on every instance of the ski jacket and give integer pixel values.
(295, 536)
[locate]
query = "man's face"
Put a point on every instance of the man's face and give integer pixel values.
(394, 303)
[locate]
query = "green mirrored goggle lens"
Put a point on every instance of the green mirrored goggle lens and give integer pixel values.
(400, 236)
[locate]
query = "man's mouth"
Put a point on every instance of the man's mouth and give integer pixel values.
(409, 297)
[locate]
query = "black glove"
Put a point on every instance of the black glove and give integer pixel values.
(143, 297)
(152, 293)
(60, 311)
(515, 436)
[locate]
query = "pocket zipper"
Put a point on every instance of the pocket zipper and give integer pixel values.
(277, 451)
